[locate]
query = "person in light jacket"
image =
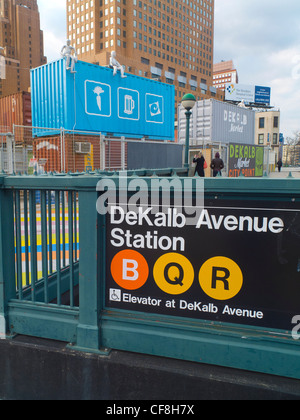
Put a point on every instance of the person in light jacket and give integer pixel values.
(200, 161)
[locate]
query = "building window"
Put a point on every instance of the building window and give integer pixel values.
(261, 139)
(275, 124)
(275, 138)
(261, 122)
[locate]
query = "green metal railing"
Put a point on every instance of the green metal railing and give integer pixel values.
(40, 248)
(46, 242)
(40, 231)
(53, 276)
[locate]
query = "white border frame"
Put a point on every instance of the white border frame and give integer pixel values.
(85, 93)
(162, 111)
(129, 90)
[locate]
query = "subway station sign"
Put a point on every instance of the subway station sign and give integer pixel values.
(238, 263)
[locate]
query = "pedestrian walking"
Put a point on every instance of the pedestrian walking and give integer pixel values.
(200, 164)
(279, 165)
(217, 165)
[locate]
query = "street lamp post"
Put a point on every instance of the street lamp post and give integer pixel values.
(188, 102)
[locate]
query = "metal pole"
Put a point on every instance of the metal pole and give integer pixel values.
(268, 161)
(7, 255)
(10, 153)
(102, 152)
(123, 164)
(187, 138)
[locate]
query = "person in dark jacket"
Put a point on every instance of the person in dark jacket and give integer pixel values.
(199, 160)
(217, 165)
(279, 165)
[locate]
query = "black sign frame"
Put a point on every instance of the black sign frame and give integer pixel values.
(261, 238)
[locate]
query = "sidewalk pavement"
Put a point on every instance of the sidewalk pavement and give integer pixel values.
(295, 171)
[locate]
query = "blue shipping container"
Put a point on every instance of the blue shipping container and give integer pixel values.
(92, 99)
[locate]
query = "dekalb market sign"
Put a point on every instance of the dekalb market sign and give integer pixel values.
(238, 262)
(245, 159)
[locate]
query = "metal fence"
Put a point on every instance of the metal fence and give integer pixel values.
(47, 227)
(70, 151)
(40, 149)
(19, 160)
(40, 247)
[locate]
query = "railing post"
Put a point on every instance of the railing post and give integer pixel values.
(90, 293)
(7, 256)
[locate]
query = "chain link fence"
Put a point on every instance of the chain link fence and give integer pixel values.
(77, 151)
(39, 149)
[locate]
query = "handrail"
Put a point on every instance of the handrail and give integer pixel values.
(80, 181)
(88, 181)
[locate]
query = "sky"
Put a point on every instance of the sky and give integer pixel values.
(262, 37)
(53, 24)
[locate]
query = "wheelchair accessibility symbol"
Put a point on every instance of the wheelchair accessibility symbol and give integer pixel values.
(115, 295)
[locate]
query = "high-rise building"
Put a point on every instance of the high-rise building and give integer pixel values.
(22, 40)
(224, 72)
(168, 40)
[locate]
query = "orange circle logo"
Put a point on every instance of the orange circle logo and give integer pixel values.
(130, 270)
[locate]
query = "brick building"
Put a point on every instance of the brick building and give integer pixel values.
(22, 40)
(168, 40)
(224, 72)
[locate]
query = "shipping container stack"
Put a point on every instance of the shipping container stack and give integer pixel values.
(16, 111)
